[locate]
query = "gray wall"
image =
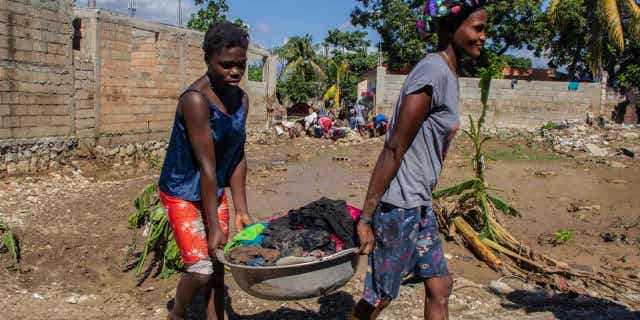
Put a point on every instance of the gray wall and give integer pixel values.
(530, 104)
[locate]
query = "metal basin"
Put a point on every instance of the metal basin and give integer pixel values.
(294, 282)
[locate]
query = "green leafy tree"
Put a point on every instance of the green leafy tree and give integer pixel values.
(338, 71)
(212, 11)
(514, 62)
(294, 88)
(346, 41)
(299, 54)
(255, 72)
(350, 48)
(395, 21)
(513, 24)
(565, 44)
(299, 80)
(606, 22)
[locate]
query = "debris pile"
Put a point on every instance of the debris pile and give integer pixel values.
(569, 137)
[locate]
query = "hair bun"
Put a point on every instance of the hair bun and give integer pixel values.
(434, 10)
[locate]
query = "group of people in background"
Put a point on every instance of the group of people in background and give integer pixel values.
(323, 123)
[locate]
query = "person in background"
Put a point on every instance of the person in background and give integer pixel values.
(205, 155)
(360, 120)
(380, 123)
(397, 228)
(352, 118)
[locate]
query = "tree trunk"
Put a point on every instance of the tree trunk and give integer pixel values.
(476, 244)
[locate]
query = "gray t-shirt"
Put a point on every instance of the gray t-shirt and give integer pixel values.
(422, 163)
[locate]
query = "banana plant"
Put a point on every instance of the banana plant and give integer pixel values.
(150, 215)
(9, 244)
(338, 72)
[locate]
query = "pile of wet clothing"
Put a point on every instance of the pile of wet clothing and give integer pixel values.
(319, 229)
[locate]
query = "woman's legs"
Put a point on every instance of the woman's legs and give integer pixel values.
(437, 292)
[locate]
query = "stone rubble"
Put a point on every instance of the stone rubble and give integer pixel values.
(568, 137)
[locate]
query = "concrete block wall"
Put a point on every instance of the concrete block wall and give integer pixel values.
(530, 104)
(36, 76)
(37, 121)
(84, 83)
(140, 70)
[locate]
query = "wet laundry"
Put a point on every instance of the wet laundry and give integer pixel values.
(281, 235)
(326, 214)
(307, 234)
(242, 255)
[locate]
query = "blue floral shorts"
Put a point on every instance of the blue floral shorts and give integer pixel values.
(407, 242)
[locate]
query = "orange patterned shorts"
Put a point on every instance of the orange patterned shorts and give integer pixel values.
(190, 227)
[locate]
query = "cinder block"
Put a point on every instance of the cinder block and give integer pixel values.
(5, 133)
(60, 120)
(28, 121)
(10, 121)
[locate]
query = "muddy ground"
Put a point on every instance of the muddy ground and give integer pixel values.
(74, 234)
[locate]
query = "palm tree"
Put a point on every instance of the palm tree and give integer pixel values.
(338, 72)
(606, 19)
(299, 55)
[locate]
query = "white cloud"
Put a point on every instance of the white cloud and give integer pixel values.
(165, 11)
(346, 26)
(285, 40)
(263, 27)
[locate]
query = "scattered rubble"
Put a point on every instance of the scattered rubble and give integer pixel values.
(574, 136)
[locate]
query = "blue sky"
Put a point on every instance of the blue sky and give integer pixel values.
(271, 21)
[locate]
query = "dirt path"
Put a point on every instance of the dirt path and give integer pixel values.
(74, 233)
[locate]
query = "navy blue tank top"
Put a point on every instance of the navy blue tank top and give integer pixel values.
(180, 176)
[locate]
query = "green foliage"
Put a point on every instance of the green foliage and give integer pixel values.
(255, 72)
(212, 11)
(630, 77)
(150, 214)
(562, 236)
(9, 244)
(512, 25)
(550, 126)
(458, 189)
(345, 41)
(395, 21)
(625, 67)
(565, 41)
(299, 80)
(295, 88)
(299, 54)
(514, 62)
(338, 71)
(585, 31)
(503, 206)
(350, 48)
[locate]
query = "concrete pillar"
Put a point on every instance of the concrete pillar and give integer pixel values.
(379, 103)
(97, 51)
(270, 78)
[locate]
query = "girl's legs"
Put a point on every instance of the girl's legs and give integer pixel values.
(437, 292)
(189, 230)
(215, 293)
(188, 286)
